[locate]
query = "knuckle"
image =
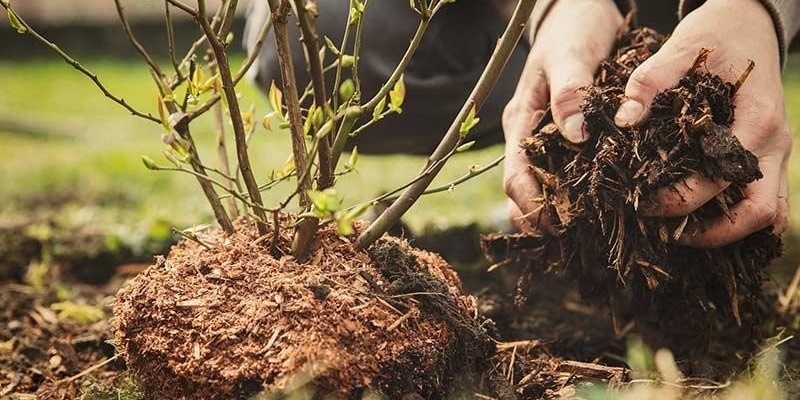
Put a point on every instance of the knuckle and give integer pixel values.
(765, 214)
(566, 99)
(509, 183)
(644, 79)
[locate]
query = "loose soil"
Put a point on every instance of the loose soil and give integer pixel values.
(592, 194)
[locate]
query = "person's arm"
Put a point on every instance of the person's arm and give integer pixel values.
(543, 7)
(785, 16)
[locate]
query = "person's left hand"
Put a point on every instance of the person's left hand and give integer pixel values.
(735, 31)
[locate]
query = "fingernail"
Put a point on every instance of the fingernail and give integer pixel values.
(629, 113)
(573, 129)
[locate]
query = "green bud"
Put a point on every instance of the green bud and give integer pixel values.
(325, 130)
(465, 146)
(352, 112)
(347, 61)
(229, 38)
(149, 163)
(347, 89)
(317, 118)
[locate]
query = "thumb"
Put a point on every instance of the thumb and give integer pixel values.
(566, 81)
(661, 71)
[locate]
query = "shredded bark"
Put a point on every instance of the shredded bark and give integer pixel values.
(233, 320)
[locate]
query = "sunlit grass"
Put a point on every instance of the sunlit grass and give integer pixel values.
(92, 146)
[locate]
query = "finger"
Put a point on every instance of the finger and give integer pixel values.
(518, 219)
(758, 210)
(781, 223)
(683, 198)
(519, 183)
(566, 81)
(661, 71)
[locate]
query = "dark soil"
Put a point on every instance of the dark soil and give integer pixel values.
(593, 192)
(42, 353)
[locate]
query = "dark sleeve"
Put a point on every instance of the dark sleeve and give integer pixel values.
(785, 14)
(542, 7)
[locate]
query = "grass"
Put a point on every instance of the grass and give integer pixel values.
(58, 134)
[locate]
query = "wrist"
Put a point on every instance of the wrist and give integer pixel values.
(543, 8)
(757, 16)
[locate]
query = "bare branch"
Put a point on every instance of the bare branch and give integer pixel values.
(308, 226)
(171, 41)
(77, 65)
(452, 138)
(135, 42)
(240, 136)
(311, 43)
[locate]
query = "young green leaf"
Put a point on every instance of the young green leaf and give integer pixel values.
(376, 113)
(275, 98)
(325, 203)
(344, 225)
(325, 129)
(397, 95)
(356, 11)
(332, 47)
(13, 19)
(469, 122)
(351, 163)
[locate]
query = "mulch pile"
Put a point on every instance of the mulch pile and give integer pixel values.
(233, 320)
(592, 193)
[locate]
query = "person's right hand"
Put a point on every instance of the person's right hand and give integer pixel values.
(575, 36)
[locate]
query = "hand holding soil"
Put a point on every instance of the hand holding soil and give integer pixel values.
(570, 43)
(734, 30)
(577, 35)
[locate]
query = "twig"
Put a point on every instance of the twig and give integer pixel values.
(452, 138)
(222, 151)
(401, 66)
(89, 370)
(77, 65)
(182, 6)
(251, 57)
(240, 137)
(311, 42)
(280, 14)
(171, 41)
(342, 47)
(785, 300)
(227, 19)
(135, 42)
(181, 126)
(190, 236)
(357, 48)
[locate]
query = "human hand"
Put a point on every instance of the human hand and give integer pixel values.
(571, 42)
(735, 31)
